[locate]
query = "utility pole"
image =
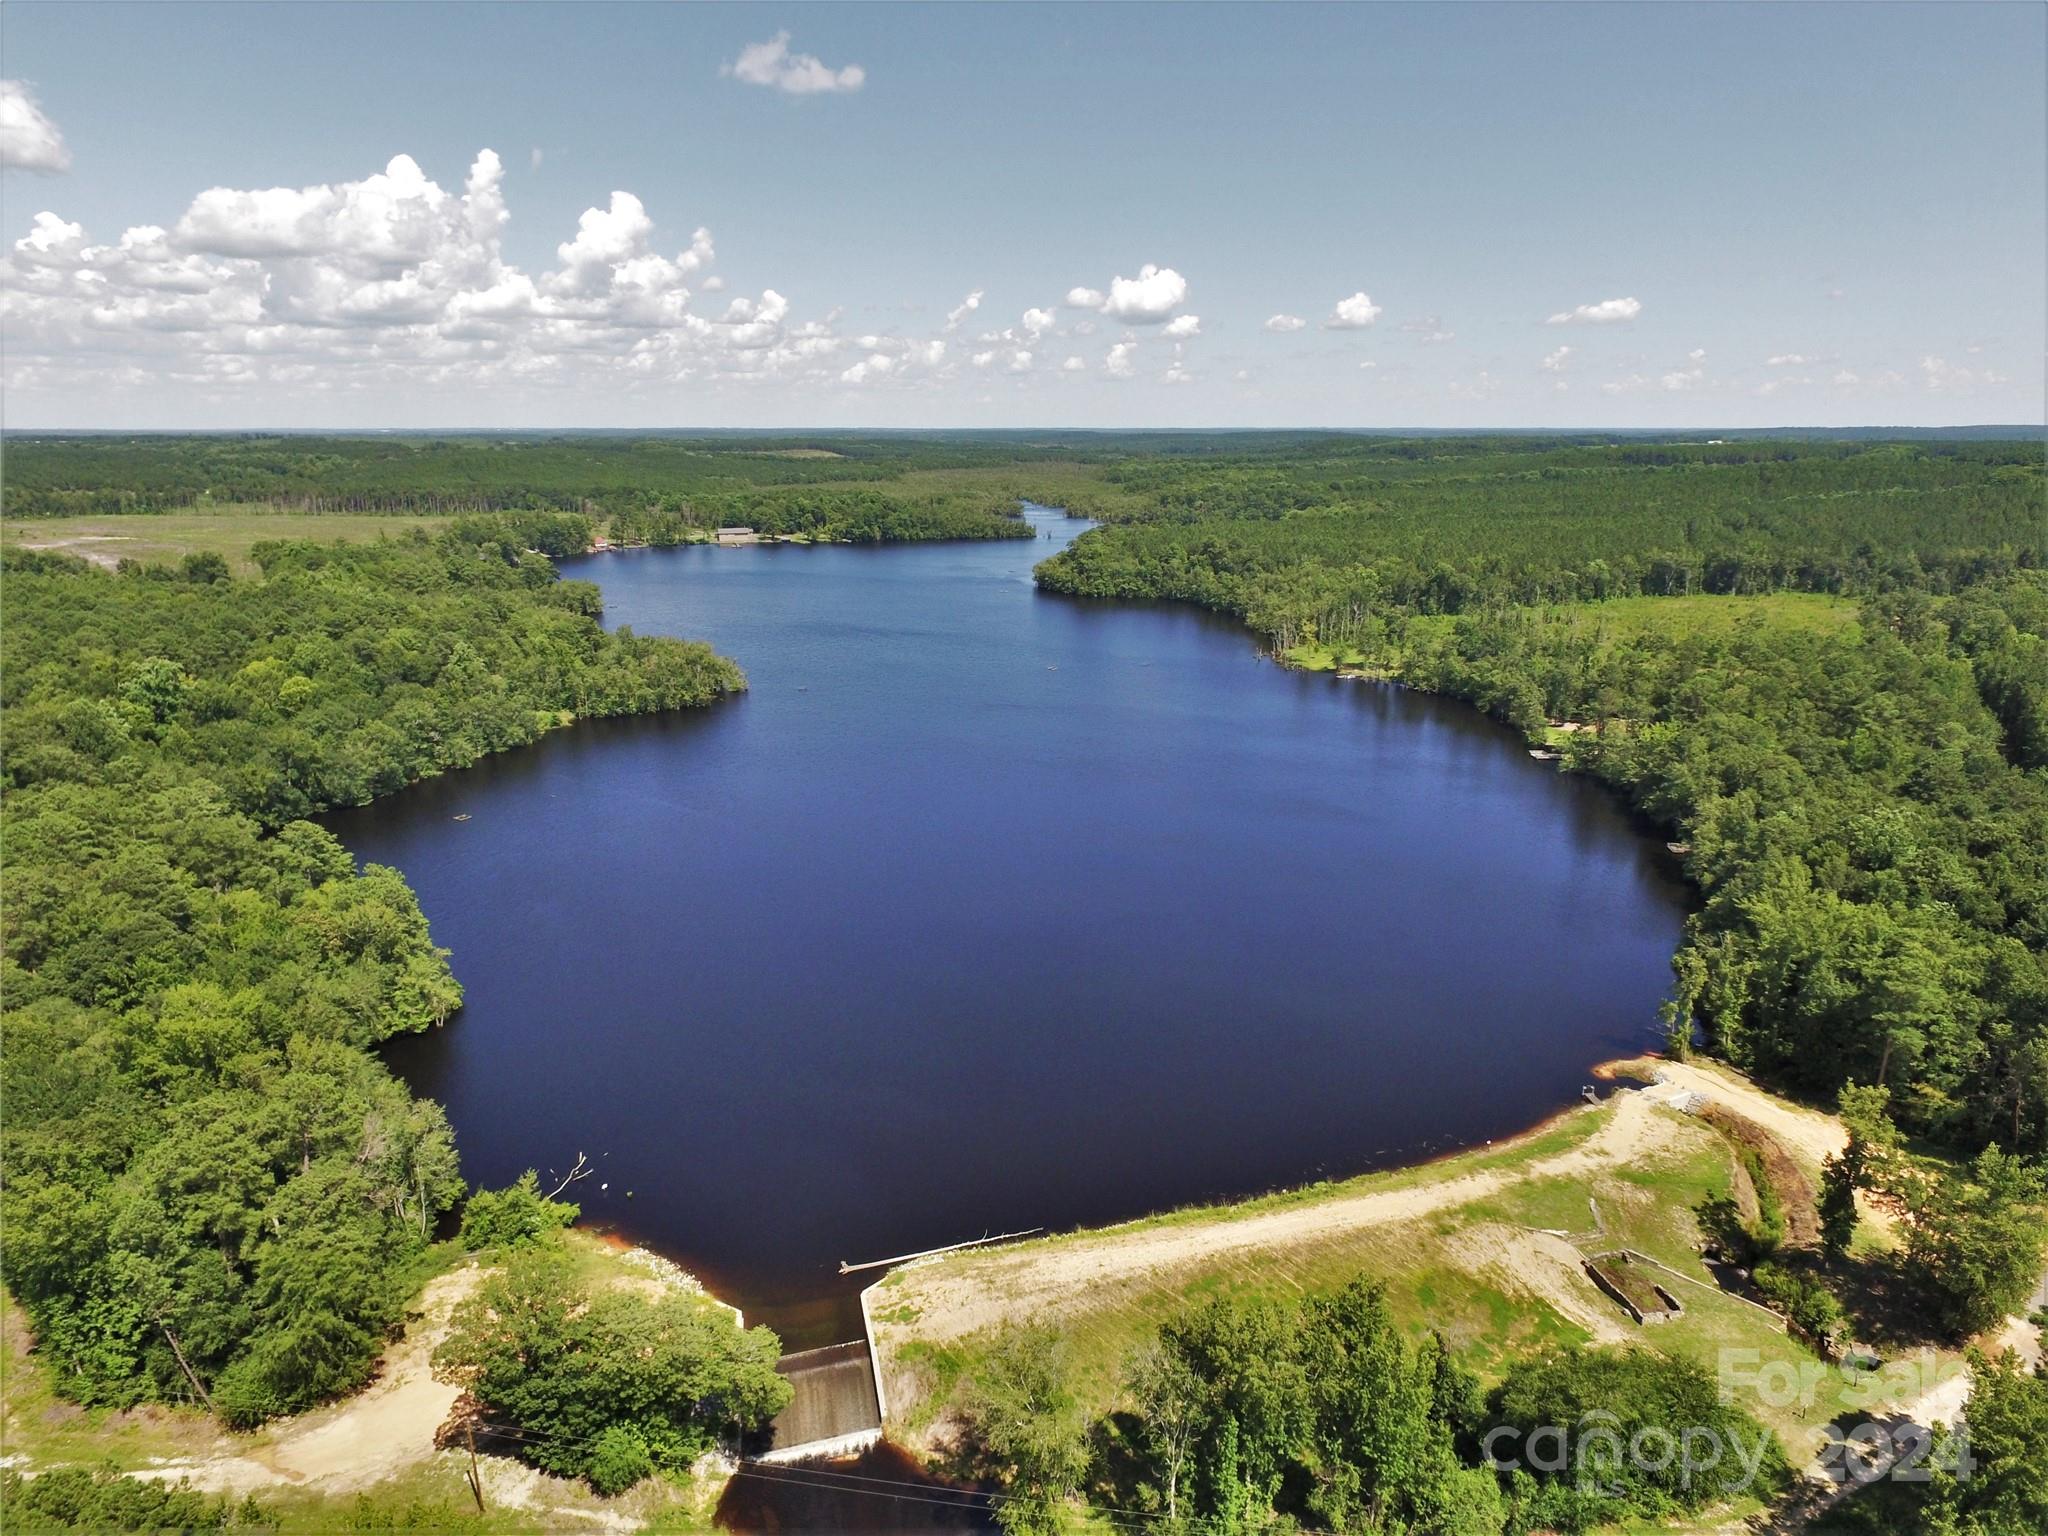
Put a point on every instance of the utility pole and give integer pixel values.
(476, 1482)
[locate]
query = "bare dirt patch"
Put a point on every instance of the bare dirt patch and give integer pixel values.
(86, 546)
(1793, 1189)
(1811, 1137)
(386, 1429)
(1543, 1267)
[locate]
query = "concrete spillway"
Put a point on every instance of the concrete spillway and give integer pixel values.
(834, 1411)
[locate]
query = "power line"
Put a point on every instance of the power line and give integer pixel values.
(826, 1480)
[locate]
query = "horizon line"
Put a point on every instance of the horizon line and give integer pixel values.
(1093, 431)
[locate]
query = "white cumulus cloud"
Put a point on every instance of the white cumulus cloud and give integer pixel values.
(1181, 327)
(1606, 312)
(874, 366)
(771, 64)
(29, 141)
(1554, 361)
(394, 282)
(1942, 376)
(966, 307)
(1352, 314)
(1284, 323)
(605, 237)
(393, 217)
(1150, 297)
(1119, 364)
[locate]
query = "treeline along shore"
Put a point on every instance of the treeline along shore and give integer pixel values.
(215, 1192)
(1858, 778)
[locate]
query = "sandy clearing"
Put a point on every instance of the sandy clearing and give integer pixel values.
(388, 1429)
(510, 1484)
(1812, 1136)
(1078, 1272)
(2023, 1334)
(383, 1430)
(391, 1424)
(80, 545)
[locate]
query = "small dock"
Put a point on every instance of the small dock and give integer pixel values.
(834, 1410)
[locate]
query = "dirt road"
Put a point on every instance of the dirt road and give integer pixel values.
(1811, 1136)
(965, 1294)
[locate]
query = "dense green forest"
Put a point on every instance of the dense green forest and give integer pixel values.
(1246, 1414)
(1866, 808)
(1863, 806)
(659, 489)
(214, 1191)
(601, 1382)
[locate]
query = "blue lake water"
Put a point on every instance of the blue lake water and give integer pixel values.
(987, 909)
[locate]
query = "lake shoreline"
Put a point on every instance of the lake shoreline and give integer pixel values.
(1167, 672)
(1487, 1248)
(1613, 1073)
(601, 545)
(1616, 1074)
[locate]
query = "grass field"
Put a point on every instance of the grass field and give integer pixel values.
(1622, 618)
(169, 536)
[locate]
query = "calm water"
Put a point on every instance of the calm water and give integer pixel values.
(987, 909)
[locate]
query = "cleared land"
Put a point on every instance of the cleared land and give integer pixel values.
(1484, 1248)
(169, 536)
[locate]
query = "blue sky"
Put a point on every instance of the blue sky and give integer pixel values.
(1816, 214)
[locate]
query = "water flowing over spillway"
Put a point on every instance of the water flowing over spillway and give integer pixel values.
(987, 909)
